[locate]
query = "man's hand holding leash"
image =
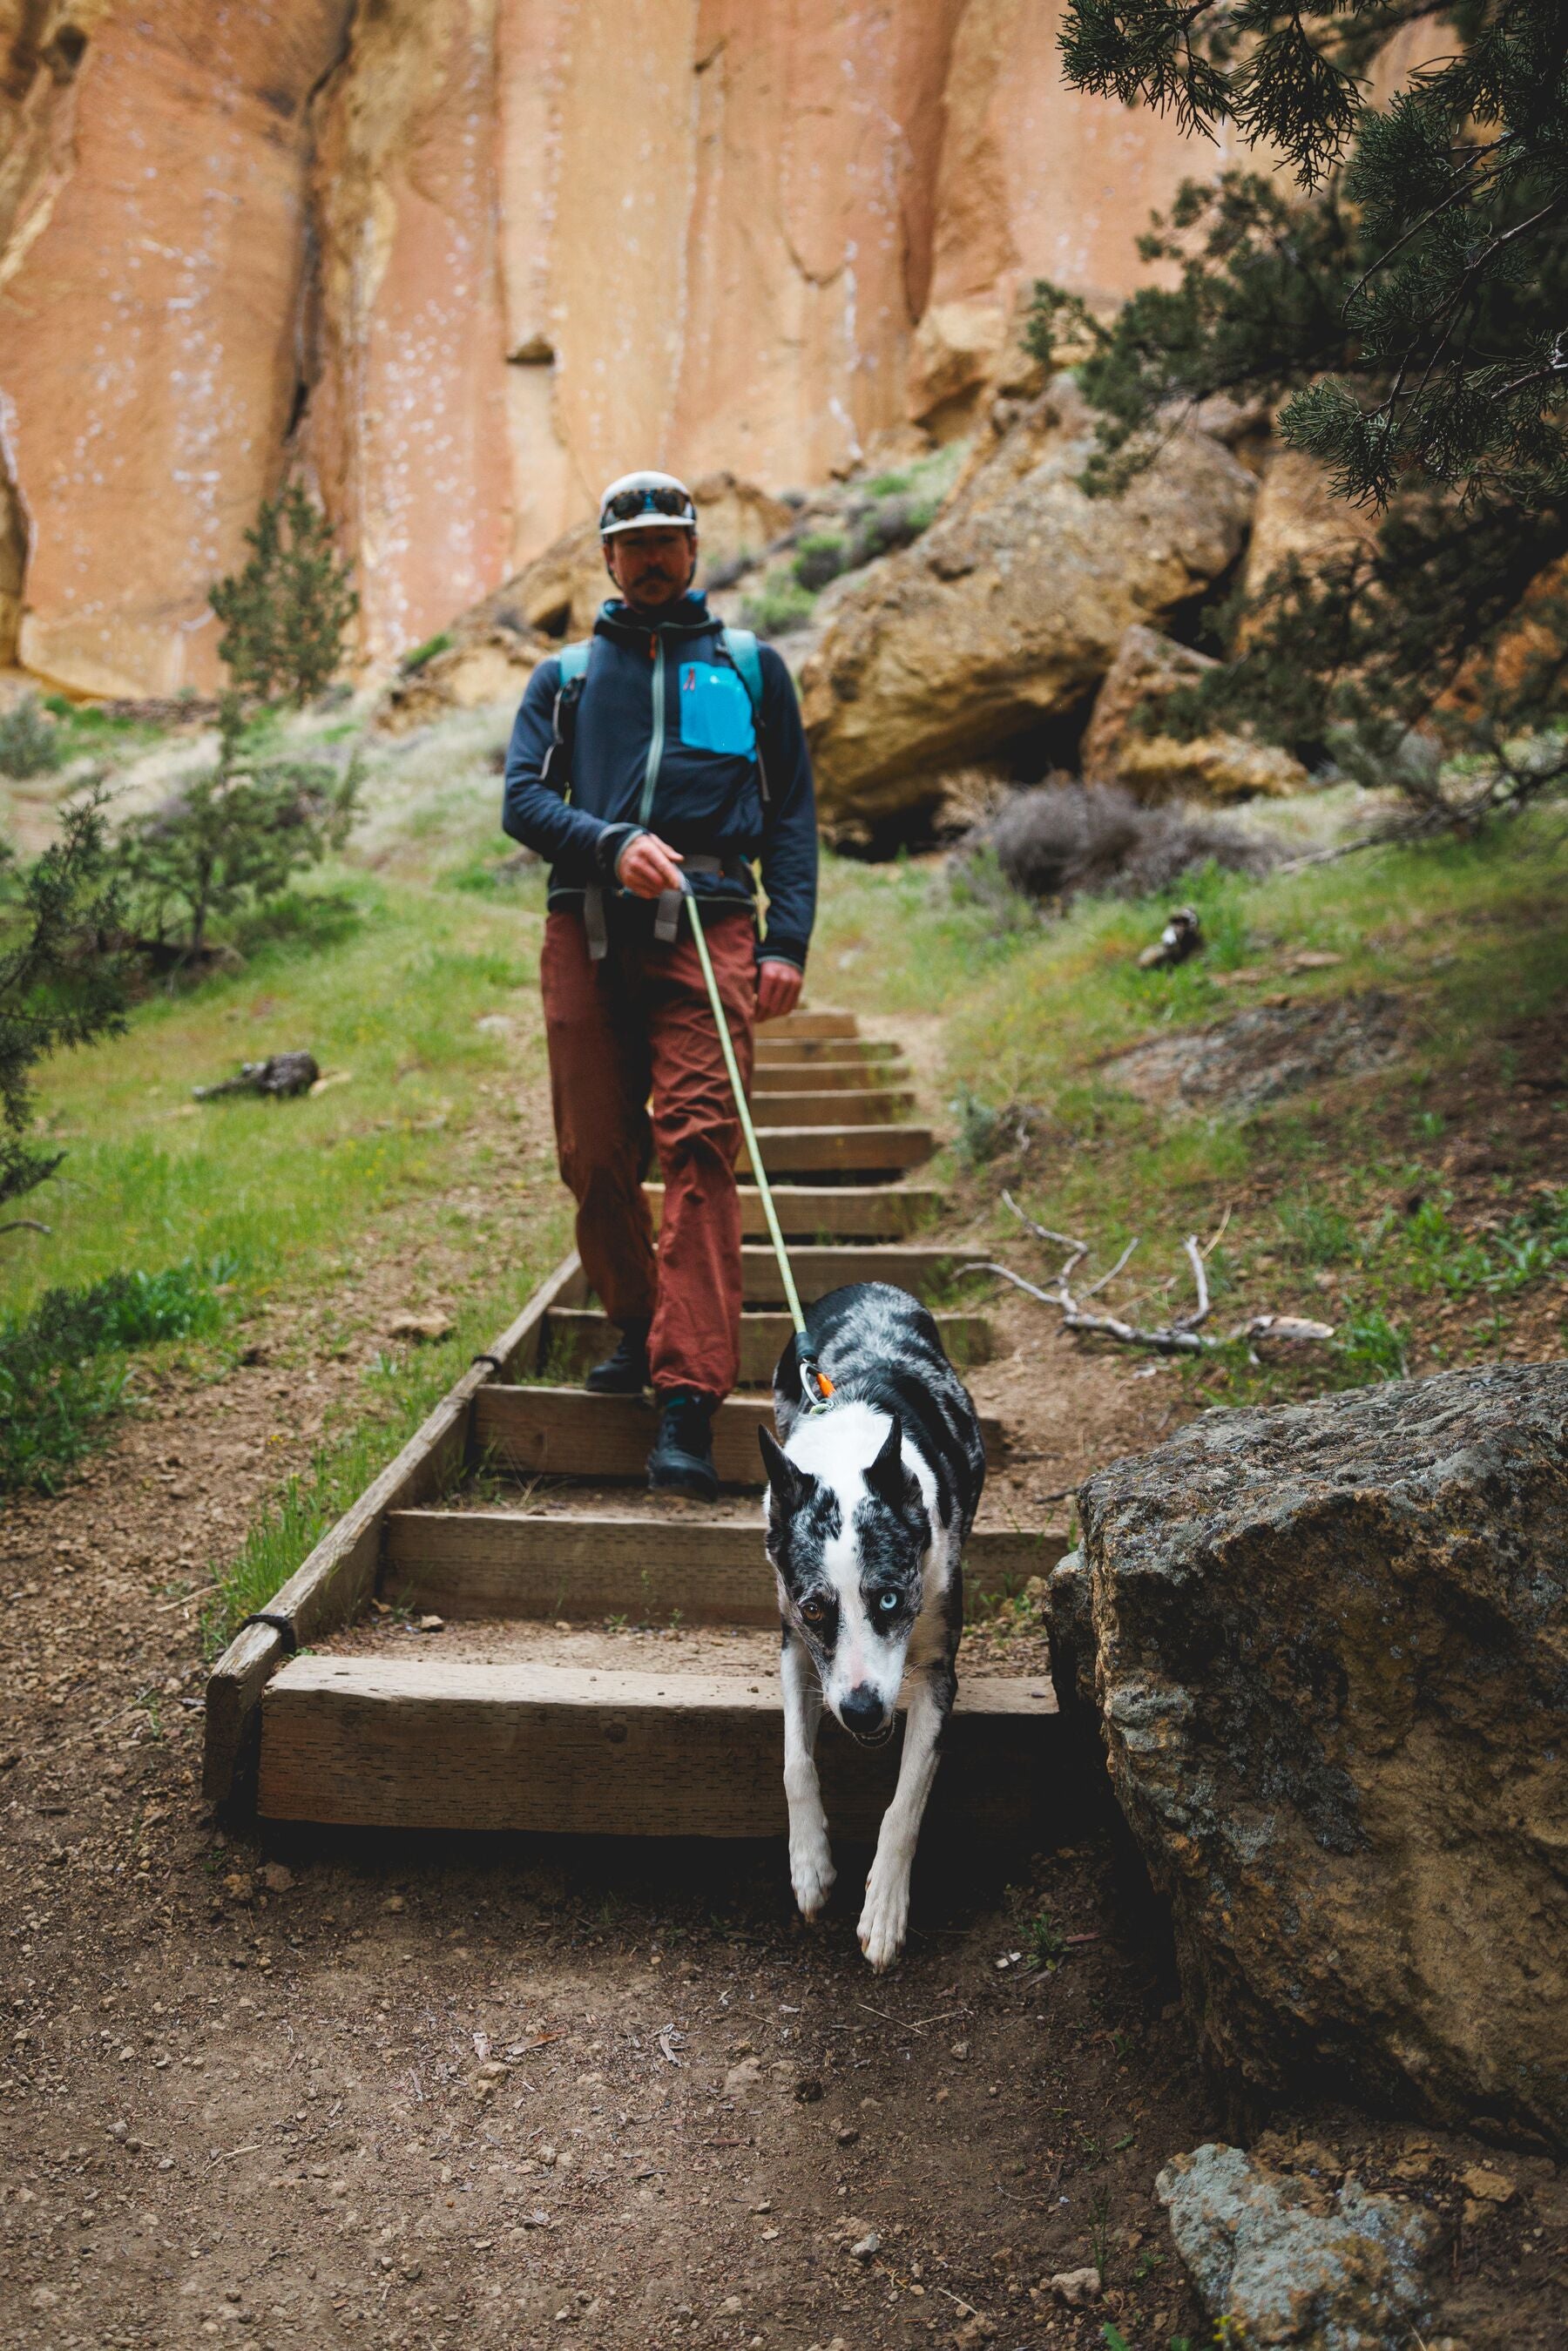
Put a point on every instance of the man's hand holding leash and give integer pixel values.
(648, 866)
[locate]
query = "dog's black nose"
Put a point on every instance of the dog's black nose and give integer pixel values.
(862, 1711)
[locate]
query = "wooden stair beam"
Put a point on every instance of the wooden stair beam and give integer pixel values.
(580, 1337)
(500, 1563)
(415, 1743)
(849, 1211)
(811, 1021)
(841, 1051)
(568, 1433)
(877, 1106)
(820, 1269)
(334, 1582)
(859, 1150)
(771, 1078)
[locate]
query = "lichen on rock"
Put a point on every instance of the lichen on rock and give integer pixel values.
(1284, 2265)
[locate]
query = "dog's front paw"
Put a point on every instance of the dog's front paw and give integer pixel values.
(811, 1871)
(884, 1917)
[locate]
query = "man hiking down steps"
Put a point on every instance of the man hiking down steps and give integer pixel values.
(667, 745)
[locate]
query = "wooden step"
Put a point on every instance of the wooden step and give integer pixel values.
(417, 1743)
(818, 1269)
(856, 1078)
(842, 1051)
(568, 1433)
(846, 1211)
(856, 1150)
(811, 1023)
(489, 1564)
(876, 1106)
(579, 1338)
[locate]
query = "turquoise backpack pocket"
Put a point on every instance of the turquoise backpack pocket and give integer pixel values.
(716, 710)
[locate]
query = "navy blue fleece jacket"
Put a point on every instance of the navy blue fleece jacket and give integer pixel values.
(657, 698)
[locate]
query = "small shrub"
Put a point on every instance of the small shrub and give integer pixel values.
(1063, 840)
(287, 614)
(30, 743)
(232, 838)
(890, 523)
(780, 604)
(62, 1369)
(440, 643)
(61, 983)
(820, 558)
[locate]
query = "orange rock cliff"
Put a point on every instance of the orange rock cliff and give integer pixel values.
(465, 260)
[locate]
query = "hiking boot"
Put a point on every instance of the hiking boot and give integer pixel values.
(682, 1459)
(625, 1372)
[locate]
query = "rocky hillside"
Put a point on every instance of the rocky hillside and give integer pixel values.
(465, 259)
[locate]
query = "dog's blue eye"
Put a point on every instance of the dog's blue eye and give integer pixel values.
(888, 1603)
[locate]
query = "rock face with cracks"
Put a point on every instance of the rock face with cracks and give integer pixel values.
(1010, 608)
(1330, 1658)
(1285, 2266)
(465, 260)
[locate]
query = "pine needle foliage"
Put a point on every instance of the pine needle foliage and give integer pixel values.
(61, 983)
(233, 836)
(1407, 312)
(286, 615)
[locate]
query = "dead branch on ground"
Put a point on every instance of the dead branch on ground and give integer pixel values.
(1183, 1335)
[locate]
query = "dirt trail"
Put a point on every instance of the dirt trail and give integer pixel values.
(437, 2093)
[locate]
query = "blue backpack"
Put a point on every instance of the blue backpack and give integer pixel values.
(738, 648)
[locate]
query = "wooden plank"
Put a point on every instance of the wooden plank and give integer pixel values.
(860, 1150)
(849, 1211)
(820, 1269)
(825, 1077)
(811, 1021)
(568, 1433)
(416, 1744)
(580, 1337)
(770, 1048)
(339, 1575)
(876, 1106)
(467, 1563)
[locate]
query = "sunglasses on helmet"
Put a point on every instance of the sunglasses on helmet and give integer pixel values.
(626, 504)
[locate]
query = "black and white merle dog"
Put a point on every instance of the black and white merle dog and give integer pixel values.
(869, 1506)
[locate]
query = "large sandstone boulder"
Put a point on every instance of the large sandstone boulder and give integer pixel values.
(1301, 517)
(1330, 1658)
(1224, 765)
(1012, 606)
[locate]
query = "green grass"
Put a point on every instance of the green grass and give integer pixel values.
(390, 1005)
(1469, 936)
(386, 981)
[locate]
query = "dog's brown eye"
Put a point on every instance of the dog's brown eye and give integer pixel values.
(813, 1611)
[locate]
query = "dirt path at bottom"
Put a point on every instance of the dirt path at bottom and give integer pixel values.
(525, 2093)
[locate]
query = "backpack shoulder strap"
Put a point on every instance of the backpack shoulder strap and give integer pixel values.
(740, 644)
(573, 659)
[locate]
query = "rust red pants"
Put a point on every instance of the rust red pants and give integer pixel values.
(639, 1021)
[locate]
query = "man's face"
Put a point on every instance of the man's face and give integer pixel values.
(651, 567)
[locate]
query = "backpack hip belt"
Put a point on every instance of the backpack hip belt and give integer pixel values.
(667, 919)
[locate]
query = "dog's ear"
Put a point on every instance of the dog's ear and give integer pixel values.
(887, 1477)
(790, 1485)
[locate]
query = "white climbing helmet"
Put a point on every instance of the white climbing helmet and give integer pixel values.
(647, 501)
